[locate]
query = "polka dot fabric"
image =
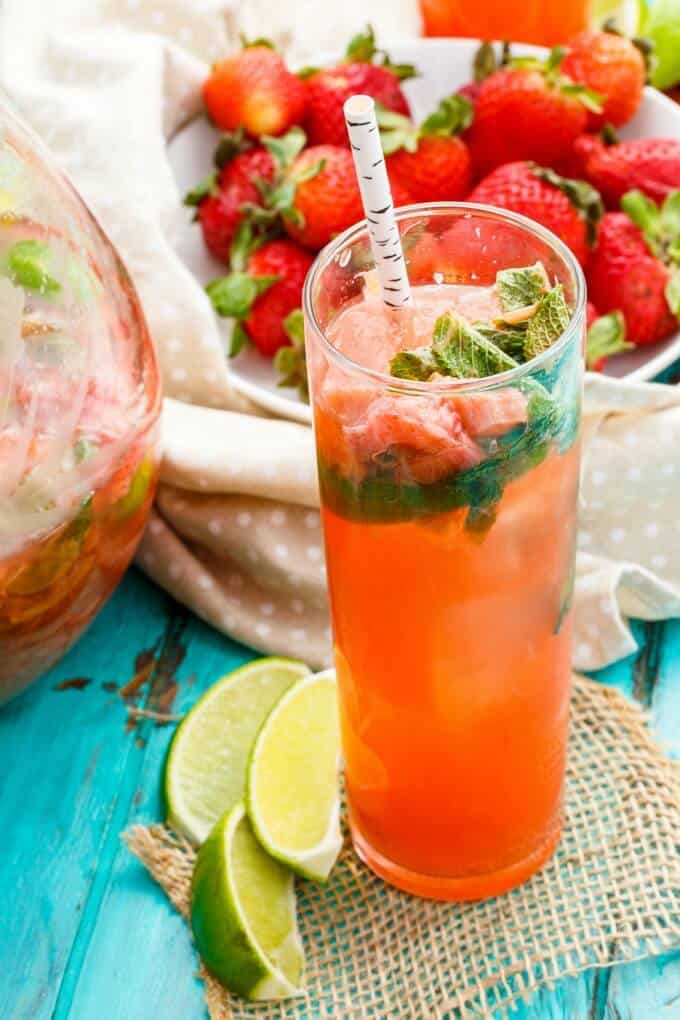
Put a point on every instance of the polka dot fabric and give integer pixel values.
(236, 532)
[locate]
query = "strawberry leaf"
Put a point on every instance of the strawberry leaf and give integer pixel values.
(583, 196)
(645, 214)
(260, 41)
(202, 190)
(452, 116)
(670, 215)
(287, 147)
(484, 63)
(307, 72)
(589, 98)
(234, 295)
(239, 339)
(245, 242)
(361, 48)
(555, 58)
(396, 131)
(231, 144)
(309, 172)
(290, 361)
(606, 336)
(673, 293)
(401, 71)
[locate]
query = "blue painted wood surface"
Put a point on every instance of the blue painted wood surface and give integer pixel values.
(84, 932)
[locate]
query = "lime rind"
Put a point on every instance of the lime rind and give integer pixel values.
(224, 937)
(192, 821)
(314, 862)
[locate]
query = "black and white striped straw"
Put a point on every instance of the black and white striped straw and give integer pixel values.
(374, 185)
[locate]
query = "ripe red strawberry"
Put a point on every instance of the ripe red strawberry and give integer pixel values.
(573, 162)
(246, 168)
(650, 165)
(220, 215)
(570, 208)
(255, 90)
(327, 90)
(591, 314)
(262, 297)
(528, 110)
(633, 267)
(326, 197)
(612, 65)
(431, 162)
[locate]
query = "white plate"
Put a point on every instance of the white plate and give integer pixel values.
(444, 65)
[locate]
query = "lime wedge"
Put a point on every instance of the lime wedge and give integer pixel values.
(292, 785)
(243, 913)
(205, 772)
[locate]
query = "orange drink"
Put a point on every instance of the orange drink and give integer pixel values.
(448, 465)
(545, 22)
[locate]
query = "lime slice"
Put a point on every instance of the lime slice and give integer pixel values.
(292, 785)
(243, 913)
(205, 772)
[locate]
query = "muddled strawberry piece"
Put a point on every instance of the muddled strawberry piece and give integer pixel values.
(491, 414)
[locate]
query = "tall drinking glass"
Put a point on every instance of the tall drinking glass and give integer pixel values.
(449, 517)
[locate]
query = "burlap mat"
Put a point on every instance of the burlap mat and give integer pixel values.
(611, 894)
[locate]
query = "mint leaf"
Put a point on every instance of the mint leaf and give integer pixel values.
(606, 336)
(547, 325)
(29, 263)
(518, 288)
(461, 351)
(510, 340)
(418, 364)
(567, 596)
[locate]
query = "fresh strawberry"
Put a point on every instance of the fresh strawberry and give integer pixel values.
(635, 267)
(611, 65)
(574, 161)
(650, 165)
(606, 336)
(591, 314)
(255, 90)
(245, 169)
(220, 215)
(570, 208)
(263, 295)
(431, 162)
(327, 90)
(324, 196)
(528, 110)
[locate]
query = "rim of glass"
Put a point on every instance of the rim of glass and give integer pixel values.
(352, 234)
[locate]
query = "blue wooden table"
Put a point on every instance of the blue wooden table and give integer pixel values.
(84, 932)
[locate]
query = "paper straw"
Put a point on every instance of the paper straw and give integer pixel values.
(374, 185)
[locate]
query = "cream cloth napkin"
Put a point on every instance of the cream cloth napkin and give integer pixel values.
(236, 532)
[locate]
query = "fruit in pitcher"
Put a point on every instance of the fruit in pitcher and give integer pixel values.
(255, 90)
(328, 89)
(527, 110)
(634, 267)
(262, 296)
(431, 161)
(570, 208)
(612, 65)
